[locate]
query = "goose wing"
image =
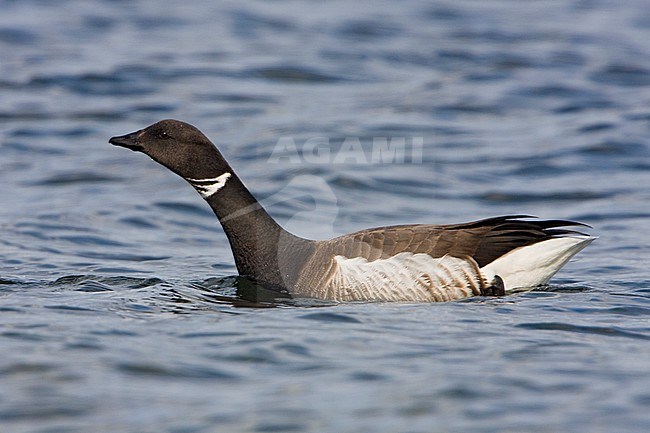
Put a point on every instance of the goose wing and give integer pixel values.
(484, 241)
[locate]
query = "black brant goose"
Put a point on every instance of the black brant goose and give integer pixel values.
(400, 263)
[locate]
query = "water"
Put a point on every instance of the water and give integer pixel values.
(119, 309)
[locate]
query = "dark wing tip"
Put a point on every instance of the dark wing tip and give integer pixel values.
(506, 233)
(559, 223)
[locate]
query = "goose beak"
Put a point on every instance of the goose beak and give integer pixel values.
(130, 141)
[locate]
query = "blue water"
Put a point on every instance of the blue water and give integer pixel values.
(119, 306)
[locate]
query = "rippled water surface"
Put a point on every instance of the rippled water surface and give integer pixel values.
(119, 305)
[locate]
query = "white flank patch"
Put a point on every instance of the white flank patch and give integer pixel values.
(404, 277)
(207, 187)
(535, 264)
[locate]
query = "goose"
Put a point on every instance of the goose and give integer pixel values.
(409, 263)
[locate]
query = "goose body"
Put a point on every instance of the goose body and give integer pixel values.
(419, 263)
